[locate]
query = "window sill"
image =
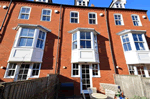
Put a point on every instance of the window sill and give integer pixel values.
(75, 76)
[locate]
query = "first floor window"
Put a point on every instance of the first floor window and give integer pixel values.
(118, 19)
(74, 17)
(11, 70)
(92, 18)
(46, 15)
(75, 70)
(126, 43)
(36, 69)
(136, 20)
(24, 13)
(95, 70)
(131, 70)
(40, 41)
(26, 37)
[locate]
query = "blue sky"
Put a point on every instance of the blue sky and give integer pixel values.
(133, 4)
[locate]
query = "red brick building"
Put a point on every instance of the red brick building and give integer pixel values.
(84, 45)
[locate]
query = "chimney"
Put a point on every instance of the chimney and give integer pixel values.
(92, 5)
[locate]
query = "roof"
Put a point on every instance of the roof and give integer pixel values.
(76, 6)
(131, 31)
(34, 26)
(84, 29)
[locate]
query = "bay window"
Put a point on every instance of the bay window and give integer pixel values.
(40, 41)
(75, 41)
(126, 43)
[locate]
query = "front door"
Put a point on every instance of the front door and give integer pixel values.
(86, 80)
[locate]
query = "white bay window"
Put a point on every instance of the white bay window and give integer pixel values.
(85, 40)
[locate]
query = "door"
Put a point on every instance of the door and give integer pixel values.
(85, 79)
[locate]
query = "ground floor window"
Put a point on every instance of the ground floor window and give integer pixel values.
(22, 71)
(75, 70)
(144, 71)
(95, 70)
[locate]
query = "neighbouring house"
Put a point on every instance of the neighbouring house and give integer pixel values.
(84, 44)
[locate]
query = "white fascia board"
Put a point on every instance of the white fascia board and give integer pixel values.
(34, 26)
(84, 29)
(131, 31)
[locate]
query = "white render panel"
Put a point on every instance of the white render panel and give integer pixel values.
(86, 54)
(22, 53)
(144, 56)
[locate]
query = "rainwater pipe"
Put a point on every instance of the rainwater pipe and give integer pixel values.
(110, 43)
(6, 15)
(58, 39)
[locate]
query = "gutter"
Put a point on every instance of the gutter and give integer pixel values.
(110, 43)
(6, 15)
(58, 40)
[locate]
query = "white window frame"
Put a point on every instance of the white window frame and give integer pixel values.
(92, 18)
(75, 69)
(86, 40)
(36, 69)
(139, 21)
(74, 17)
(96, 69)
(19, 17)
(121, 20)
(46, 15)
(42, 0)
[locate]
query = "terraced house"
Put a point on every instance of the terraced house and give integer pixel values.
(84, 44)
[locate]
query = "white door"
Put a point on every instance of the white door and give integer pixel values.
(85, 78)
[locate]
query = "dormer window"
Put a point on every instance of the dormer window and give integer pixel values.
(117, 5)
(80, 3)
(42, 0)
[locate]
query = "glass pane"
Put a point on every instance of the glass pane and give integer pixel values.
(44, 12)
(74, 36)
(82, 44)
(47, 18)
(38, 65)
(116, 17)
(31, 32)
(142, 46)
(26, 71)
(72, 20)
(90, 21)
(37, 72)
(136, 18)
(24, 32)
(93, 15)
(41, 44)
(38, 44)
(27, 10)
(33, 72)
(76, 15)
(44, 18)
(34, 66)
(123, 39)
(82, 35)
(140, 37)
(76, 20)
(21, 72)
(29, 42)
(127, 39)
(117, 22)
(129, 46)
(48, 12)
(137, 46)
(135, 37)
(43, 35)
(133, 18)
(23, 10)
(22, 16)
(94, 22)
(125, 47)
(90, 15)
(26, 16)
(22, 41)
(72, 14)
(88, 35)
(75, 45)
(27, 66)
(88, 44)
(24, 77)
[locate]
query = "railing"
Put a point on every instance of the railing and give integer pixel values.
(41, 88)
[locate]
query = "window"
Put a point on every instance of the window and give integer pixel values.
(95, 70)
(80, 3)
(46, 15)
(136, 20)
(117, 5)
(118, 19)
(24, 13)
(40, 41)
(126, 43)
(92, 18)
(83, 3)
(36, 69)
(85, 40)
(74, 17)
(42, 0)
(120, 5)
(75, 70)
(139, 43)
(11, 70)
(75, 41)
(140, 70)
(26, 37)
(131, 70)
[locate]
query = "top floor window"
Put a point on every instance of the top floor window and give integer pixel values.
(118, 19)
(42, 0)
(139, 43)
(24, 13)
(74, 17)
(117, 5)
(92, 18)
(46, 15)
(136, 20)
(126, 43)
(85, 40)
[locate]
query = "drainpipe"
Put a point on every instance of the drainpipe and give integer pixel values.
(6, 14)
(110, 43)
(58, 39)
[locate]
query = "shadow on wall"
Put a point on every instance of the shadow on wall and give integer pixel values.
(103, 56)
(3, 30)
(148, 41)
(49, 51)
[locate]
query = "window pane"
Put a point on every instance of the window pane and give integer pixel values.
(90, 15)
(24, 32)
(74, 36)
(38, 43)
(82, 35)
(125, 47)
(123, 39)
(82, 44)
(23, 10)
(129, 46)
(116, 17)
(22, 16)
(48, 12)
(137, 46)
(43, 35)
(135, 37)
(29, 42)
(72, 14)
(90, 21)
(22, 41)
(44, 18)
(142, 46)
(26, 16)
(44, 12)
(75, 45)
(41, 44)
(140, 37)
(31, 32)
(47, 18)
(76, 21)
(133, 18)
(72, 20)
(76, 15)
(88, 35)
(88, 44)
(93, 15)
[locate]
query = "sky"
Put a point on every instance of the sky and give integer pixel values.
(131, 4)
